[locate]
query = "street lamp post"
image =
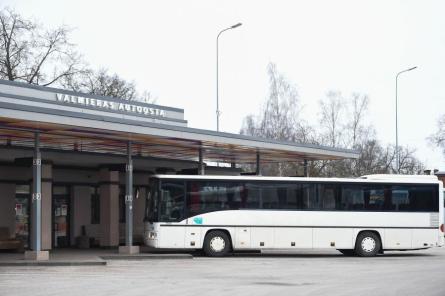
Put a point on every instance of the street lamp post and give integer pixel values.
(218, 113)
(397, 130)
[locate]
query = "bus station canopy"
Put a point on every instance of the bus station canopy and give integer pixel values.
(81, 122)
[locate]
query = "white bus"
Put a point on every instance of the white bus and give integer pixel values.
(364, 216)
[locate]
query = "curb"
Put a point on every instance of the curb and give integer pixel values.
(53, 263)
(147, 257)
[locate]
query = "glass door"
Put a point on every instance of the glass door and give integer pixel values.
(61, 204)
(22, 212)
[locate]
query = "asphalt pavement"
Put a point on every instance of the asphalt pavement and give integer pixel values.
(274, 273)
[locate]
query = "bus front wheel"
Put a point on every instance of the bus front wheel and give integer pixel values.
(367, 244)
(216, 244)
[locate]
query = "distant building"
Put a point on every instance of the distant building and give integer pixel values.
(440, 175)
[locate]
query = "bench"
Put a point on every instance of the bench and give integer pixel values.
(9, 243)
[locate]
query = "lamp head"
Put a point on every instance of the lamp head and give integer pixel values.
(236, 25)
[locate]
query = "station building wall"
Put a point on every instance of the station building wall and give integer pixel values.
(83, 186)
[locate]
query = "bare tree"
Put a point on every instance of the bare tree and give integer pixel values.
(280, 119)
(331, 118)
(332, 123)
(438, 138)
(32, 54)
(357, 109)
(104, 84)
(409, 164)
(370, 160)
(342, 124)
(146, 97)
(359, 135)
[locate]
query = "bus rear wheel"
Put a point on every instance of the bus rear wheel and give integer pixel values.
(367, 244)
(216, 244)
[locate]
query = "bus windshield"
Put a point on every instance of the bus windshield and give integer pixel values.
(171, 202)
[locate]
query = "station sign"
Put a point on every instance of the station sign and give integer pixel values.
(104, 104)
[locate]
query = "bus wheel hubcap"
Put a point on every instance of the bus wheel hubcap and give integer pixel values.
(368, 244)
(217, 244)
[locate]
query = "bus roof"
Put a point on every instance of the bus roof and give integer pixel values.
(399, 177)
(368, 178)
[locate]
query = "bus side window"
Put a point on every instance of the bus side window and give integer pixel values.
(422, 199)
(352, 198)
(400, 198)
(328, 194)
(374, 198)
(310, 198)
(269, 194)
(252, 196)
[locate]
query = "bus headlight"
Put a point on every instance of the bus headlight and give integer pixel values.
(152, 235)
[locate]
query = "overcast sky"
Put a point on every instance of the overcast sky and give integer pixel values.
(168, 48)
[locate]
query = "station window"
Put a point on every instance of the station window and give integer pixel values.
(121, 204)
(95, 205)
(22, 212)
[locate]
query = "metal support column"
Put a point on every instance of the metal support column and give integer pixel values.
(258, 164)
(36, 252)
(129, 198)
(37, 195)
(201, 168)
(305, 168)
